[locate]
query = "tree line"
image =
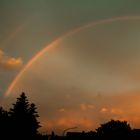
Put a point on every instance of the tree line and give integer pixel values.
(20, 122)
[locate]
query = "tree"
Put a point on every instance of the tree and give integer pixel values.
(114, 129)
(4, 122)
(33, 115)
(24, 118)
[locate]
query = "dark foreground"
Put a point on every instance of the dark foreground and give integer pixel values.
(20, 123)
(133, 135)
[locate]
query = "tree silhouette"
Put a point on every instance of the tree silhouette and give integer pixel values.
(33, 115)
(24, 118)
(4, 122)
(114, 129)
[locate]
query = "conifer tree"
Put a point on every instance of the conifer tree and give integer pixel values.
(24, 117)
(4, 122)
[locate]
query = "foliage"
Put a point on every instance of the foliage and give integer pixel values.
(114, 129)
(23, 117)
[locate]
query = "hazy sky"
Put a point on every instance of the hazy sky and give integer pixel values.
(27, 26)
(85, 72)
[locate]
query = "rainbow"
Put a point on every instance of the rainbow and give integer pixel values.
(57, 41)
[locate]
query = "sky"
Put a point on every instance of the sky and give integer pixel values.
(84, 79)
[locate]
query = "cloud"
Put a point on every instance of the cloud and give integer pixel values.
(115, 111)
(104, 110)
(70, 121)
(61, 110)
(8, 62)
(85, 107)
(63, 122)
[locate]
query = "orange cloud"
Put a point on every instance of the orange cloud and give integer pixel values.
(8, 63)
(85, 107)
(61, 110)
(63, 123)
(104, 110)
(70, 122)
